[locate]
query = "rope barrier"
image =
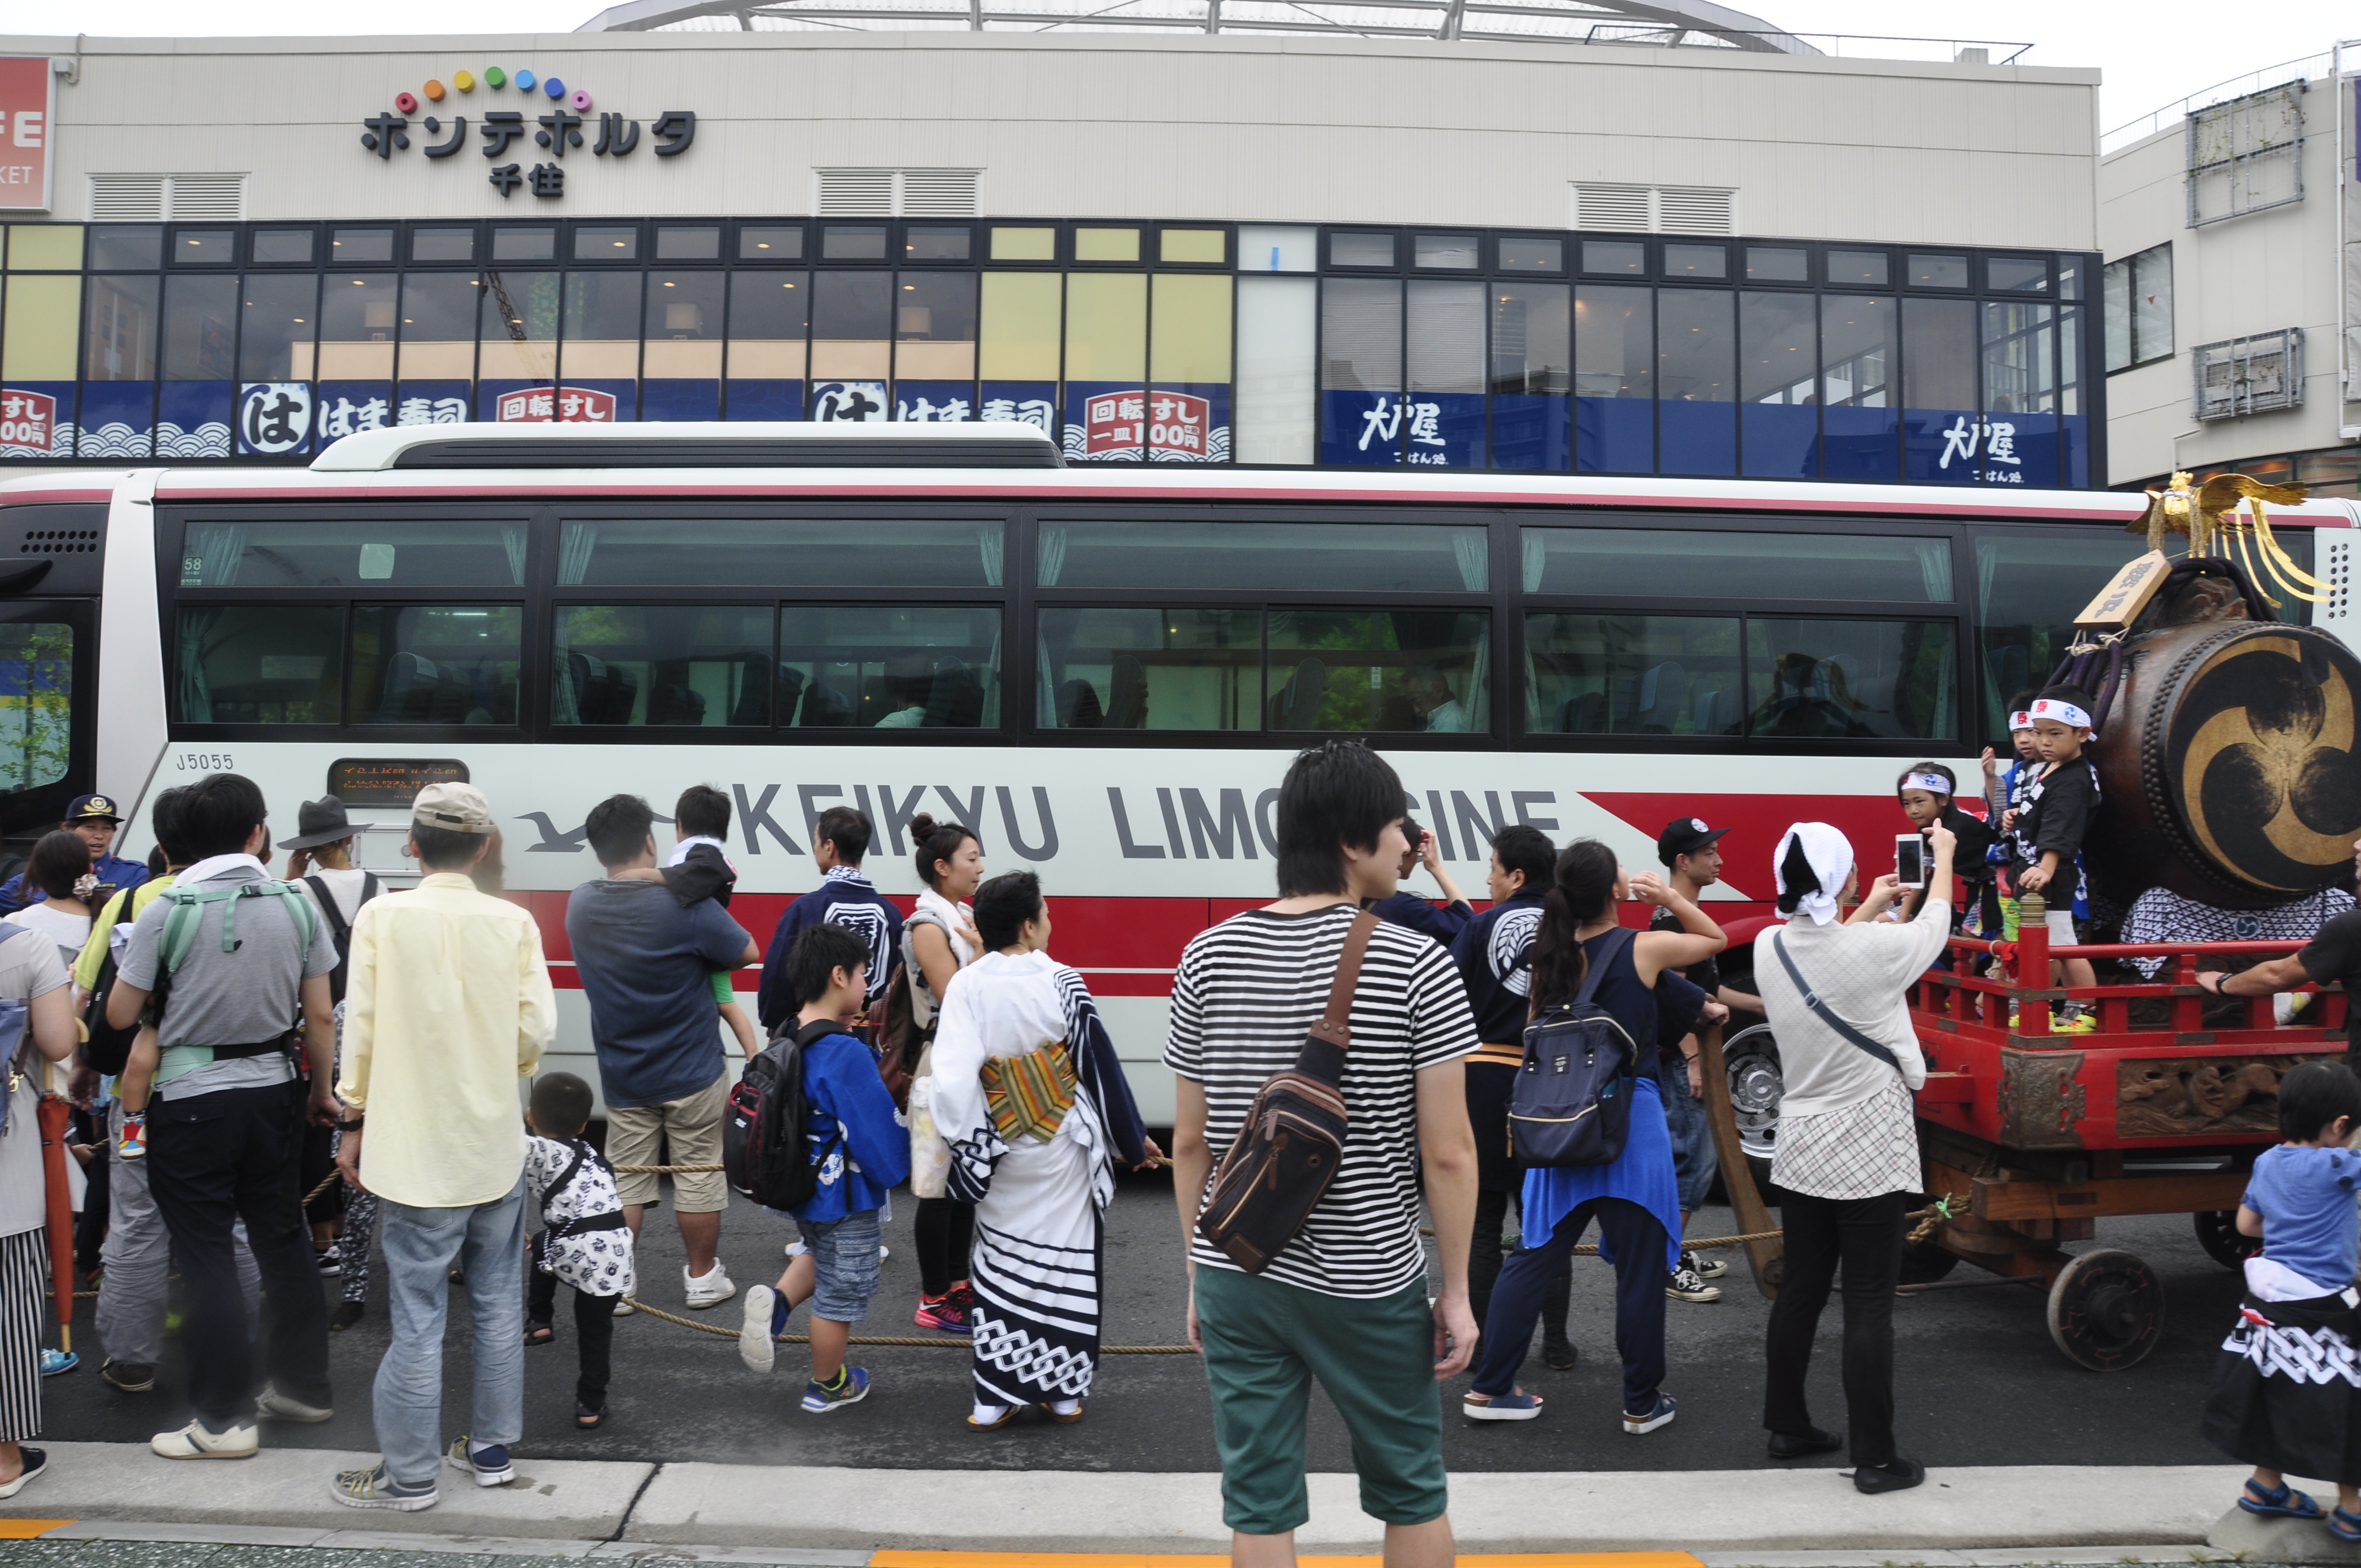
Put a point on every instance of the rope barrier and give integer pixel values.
(908, 1343)
(664, 1169)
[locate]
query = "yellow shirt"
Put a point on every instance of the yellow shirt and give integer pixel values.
(447, 1003)
(94, 949)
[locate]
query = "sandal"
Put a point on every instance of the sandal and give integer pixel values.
(1067, 1420)
(588, 1419)
(1008, 1414)
(539, 1333)
(2282, 1502)
(2345, 1526)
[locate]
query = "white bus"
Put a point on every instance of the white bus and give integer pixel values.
(1104, 671)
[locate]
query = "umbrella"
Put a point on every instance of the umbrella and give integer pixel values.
(54, 1114)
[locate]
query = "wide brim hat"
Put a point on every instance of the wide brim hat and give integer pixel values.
(321, 821)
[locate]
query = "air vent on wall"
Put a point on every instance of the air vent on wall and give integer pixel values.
(1655, 209)
(60, 541)
(152, 197)
(888, 192)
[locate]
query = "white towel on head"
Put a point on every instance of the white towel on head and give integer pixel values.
(1829, 854)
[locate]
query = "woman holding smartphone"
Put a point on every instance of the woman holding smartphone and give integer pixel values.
(1847, 1158)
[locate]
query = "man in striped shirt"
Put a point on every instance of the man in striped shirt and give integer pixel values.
(1345, 1301)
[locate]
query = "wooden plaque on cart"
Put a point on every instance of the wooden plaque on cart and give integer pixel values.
(2125, 595)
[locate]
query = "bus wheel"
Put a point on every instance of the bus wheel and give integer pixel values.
(1751, 1059)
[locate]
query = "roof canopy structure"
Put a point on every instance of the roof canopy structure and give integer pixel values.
(1664, 22)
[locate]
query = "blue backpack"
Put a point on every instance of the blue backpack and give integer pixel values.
(1572, 1103)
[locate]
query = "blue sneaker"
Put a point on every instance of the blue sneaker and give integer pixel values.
(374, 1489)
(56, 1361)
(1649, 1420)
(852, 1388)
(1514, 1406)
(487, 1463)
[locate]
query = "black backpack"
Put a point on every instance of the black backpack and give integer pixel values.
(1572, 1103)
(341, 932)
(767, 1155)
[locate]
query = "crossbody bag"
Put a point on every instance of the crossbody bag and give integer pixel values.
(1827, 1014)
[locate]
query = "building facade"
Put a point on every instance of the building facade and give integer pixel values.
(2229, 225)
(1330, 251)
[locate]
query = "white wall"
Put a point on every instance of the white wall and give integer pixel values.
(1125, 126)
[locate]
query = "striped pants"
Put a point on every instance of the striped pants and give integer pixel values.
(24, 1279)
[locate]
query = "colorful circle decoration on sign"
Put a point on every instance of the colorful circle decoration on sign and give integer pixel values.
(464, 81)
(524, 81)
(434, 90)
(580, 100)
(495, 78)
(553, 86)
(406, 102)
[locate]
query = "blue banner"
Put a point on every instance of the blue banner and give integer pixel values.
(1940, 446)
(1614, 435)
(766, 399)
(1444, 430)
(2074, 449)
(1860, 444)
(347, 407)
(1532, 431)
(664, 398)
(1781, 441)
(1106, 421)
(1021, 402)
(192, 419)
(934, 403)
(274, 418)
(431, 402)
(1362, 429)
(118, 420)
(1697, 437)
(2020, 449)
(1189, 422)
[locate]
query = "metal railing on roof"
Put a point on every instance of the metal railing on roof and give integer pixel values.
(2170, 116)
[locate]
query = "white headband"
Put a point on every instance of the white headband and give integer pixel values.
(2064, 712)
(2020, 719)
(1933, 784)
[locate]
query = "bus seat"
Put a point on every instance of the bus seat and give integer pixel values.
(611, 697)
(1296, 704)
(1078, 706)
(825, 708)
(1717, 712)
(1584, 715)
(956, 699)
(1127, 695)
(671, 702)
(753, 704)
(409, 695)
(1664, 692)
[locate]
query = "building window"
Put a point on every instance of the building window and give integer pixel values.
(2138, 292)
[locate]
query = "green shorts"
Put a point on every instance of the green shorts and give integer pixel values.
(1264, 1343)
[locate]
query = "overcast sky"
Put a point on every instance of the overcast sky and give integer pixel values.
(2152, 53)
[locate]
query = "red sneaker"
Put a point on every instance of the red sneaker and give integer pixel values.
(946, 1313)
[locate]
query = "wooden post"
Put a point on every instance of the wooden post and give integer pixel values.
(1738, 1177)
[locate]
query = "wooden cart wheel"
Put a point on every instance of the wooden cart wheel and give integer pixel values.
(2106, 1310)
(2217, 1232)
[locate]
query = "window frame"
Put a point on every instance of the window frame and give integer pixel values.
(2131, 275)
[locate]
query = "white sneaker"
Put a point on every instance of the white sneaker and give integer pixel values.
(755, 1347)
(273, 1405)
(194, 1441)
(710, 1290)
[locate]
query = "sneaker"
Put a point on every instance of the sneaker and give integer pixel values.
(707, 1290)
(487, 1463)
(37, 1465)
(755, 1346)
(331, 1266)
(346, 1314)
(376, 1489)
(194, 1441)
(273, 1405)
(2074, 1021)
(54, 1362)
(851, 1387)
(624, 1309)
(1561, 1357)
(943, 1313)
(1684, 1286)
(1703, 1268)
(131, 1376)
(133, 1144)
(1661, 1416)
(1516, 1405)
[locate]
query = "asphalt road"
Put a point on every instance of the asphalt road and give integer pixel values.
(1979, 1381)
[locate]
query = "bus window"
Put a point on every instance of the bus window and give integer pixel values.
(35, 703)
(1151, 669)
(785, 552)
(1398, 671)
(435, 663)
(1715, 564)
(662, 664)
(1264, 557)
(2029, 587)
(1850, 679)
(340, 554)
(890, 667)
(1632, 674)
(277, 664)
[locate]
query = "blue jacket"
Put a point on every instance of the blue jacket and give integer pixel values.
(847, 1096)
(1408, 909)
(848, 899)
(115, 874)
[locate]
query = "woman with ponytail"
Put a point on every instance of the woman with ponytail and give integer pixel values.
(1635, 1199)
(1846, 1162)
(938, 941)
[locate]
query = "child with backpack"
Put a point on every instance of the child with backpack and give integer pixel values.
(583, 1241)
(821, 1096)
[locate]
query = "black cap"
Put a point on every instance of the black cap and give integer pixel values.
(1685, 836)
(93, 808)
(321, 821)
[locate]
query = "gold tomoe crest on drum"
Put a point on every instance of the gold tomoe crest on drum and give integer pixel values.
(2259, 760)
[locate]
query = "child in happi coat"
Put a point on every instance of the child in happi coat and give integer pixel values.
(2287, 1393)
(582, 1241)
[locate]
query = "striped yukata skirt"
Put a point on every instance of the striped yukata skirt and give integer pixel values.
(23, 1275)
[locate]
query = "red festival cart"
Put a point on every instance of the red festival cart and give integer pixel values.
(2033, 1137)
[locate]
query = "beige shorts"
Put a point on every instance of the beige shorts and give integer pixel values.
(692, 1125)
(2060, 923)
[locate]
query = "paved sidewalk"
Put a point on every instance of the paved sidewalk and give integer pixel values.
(578, 1506)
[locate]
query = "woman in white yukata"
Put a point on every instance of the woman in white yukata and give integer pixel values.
(1033, 1105)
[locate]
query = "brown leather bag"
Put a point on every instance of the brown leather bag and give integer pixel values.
(1284, 1157)
(901, 1042)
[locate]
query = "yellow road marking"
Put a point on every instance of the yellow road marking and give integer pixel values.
(1151, 1560)
(29, 1529)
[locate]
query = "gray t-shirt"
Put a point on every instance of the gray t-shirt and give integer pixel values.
(227, 999)
(29, 967)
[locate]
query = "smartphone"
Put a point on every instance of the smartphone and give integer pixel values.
(1909, 859)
